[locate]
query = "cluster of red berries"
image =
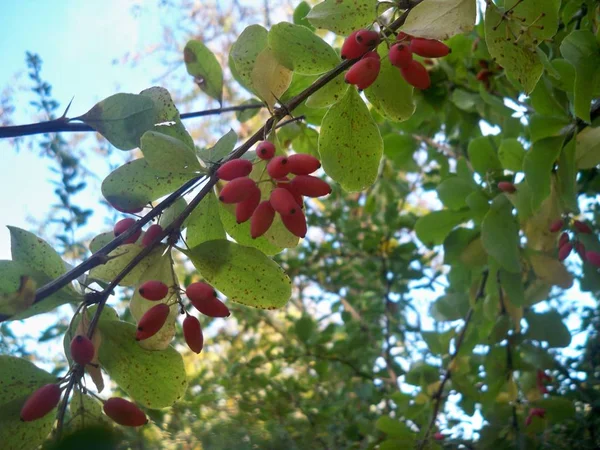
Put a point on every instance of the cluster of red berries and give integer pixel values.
(46, 398)
(201, 295)
(364, 73)
(566, 244)
(149, 235)
(285, 199)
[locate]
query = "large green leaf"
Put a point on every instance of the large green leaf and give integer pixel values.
(243, 274)
(483, 155)
(433, 228)
(500, 235)
(342, 16)
(18, 379)
(154, 379)
(221, 149)
(299, 49)
(537, 166)
(135, 184)
(165, 153)
(441, 19)
(270, 79)
(31, 251)
(511, 154)
(350, 144)
(588, 148)
(203, 65)
(244, 52)
(548, 327)
(204, 223)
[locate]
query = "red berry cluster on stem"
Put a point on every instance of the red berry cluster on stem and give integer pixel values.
(566, 243)
(286, 198)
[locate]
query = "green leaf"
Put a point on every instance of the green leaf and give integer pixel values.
(500, 235)
(221, 149)
(246, 115)
(453, 192)
(438, 343)
(300, 13)
(121, 257)
(422, 373)
(581, 49)
(588, 148)
(86, 412)
(204, 223)
(483, 156)
(513, 285)
(165, 153)
(567, 178)
(19, 378)
(342, 16)
(400, 148)
(550, 270)
(202, 64)
(394, 428)
(450, 307)
(328, 94)
(135, 184)
(391, 95)
(441, 19)
(350, 144)
(548, 327)
(269, 78)
(154, 379)
(541, 127)
(305, 328)
(558, 409)
(537, 166)
(244, 52)
(31, 251)
(122, 119)
(511, 154)
(433, 228)
(172, 212)
(299, 49)
(243, 274)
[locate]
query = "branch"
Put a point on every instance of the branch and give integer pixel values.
(461, 337)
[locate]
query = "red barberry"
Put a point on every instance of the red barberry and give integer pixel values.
(364, 73)
(565, 251)
(200, 291)
(352, 49)
(124, 412)
(310, 186)
(295, 223)
(580, 248)
(153, 290)
(533, 412)
(507, 186)
(82, 350)
(151, 233)
(41, 402)
(367, 37)
(556, 226)
(416, 75)
(237, 190)
(262, 219)
(303, 164)
(244, 210)
(152, 321)
(204, 298)
(429, 48)
(278, 167)
(286, 185)
(192, 332)
(582, 227)
(372, 54)
(439, 436)
(236, 168)
(402, 36)
(563, 239)
(400, 55)
(265, 150)
(483, 75)
(283, 202)
(593, 257)
(122, 226)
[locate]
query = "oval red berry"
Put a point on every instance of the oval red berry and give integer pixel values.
(265, 150)
(153, 290)
(283, 202)
(261, 219)
(124, 412)
(295, 224)
(400, 55)
(416, 75)
(82, 350)
(151, 233)
(310, 186)
(192, 332)
(236, 168)
(303, 164)
(152, 321)
(40, 402)
(277, 167)
(351, 48)
(429, 48)
(122, 226)
(237, 190)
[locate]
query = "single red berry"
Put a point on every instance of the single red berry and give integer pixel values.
(236, 168)
(580, 248)
(582, 227)
(364, 73)
(439, 436)
(534, 412)
(287, 185)
(400, 55)
(372, 54)
(563, 239)
(204, 298)
(483, 75)
(283, 201)
(265, 150)
(352, 49)
(122, 226)
(277, 167)
(200, 291)
(416, 75)
(565, 251)
(593, 257)
(41, 402)
(82, 350)
(556, 226)
(262, 219)
(244, 210)
(192, 332)
(152, 321)
(542, 376)
(402, 36)
(295, 223)
(237, 190)
(124, 412)
(367, 37)
(429, 48)
(507, 186)
(153, 290)
(151, 233)
(310, 186)
(303, 164)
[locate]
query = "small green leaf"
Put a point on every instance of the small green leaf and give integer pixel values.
(246, 115)
(342, 16)
(221, 149)
(350, 144)
(202, 64)
(165, 153)
(300, 50)
(548, 327)
(243, 274)
(453, 192)
(500, 235)
(537, 166)
(450, 307)
(433, 228)
(154, 379)
(441, 19)
(588, 148)
(122, 119)
(300, 13)
(511, 154)
(305, 328)
(204, 223)
(483, 156)
(135, 184)
(101, 240)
